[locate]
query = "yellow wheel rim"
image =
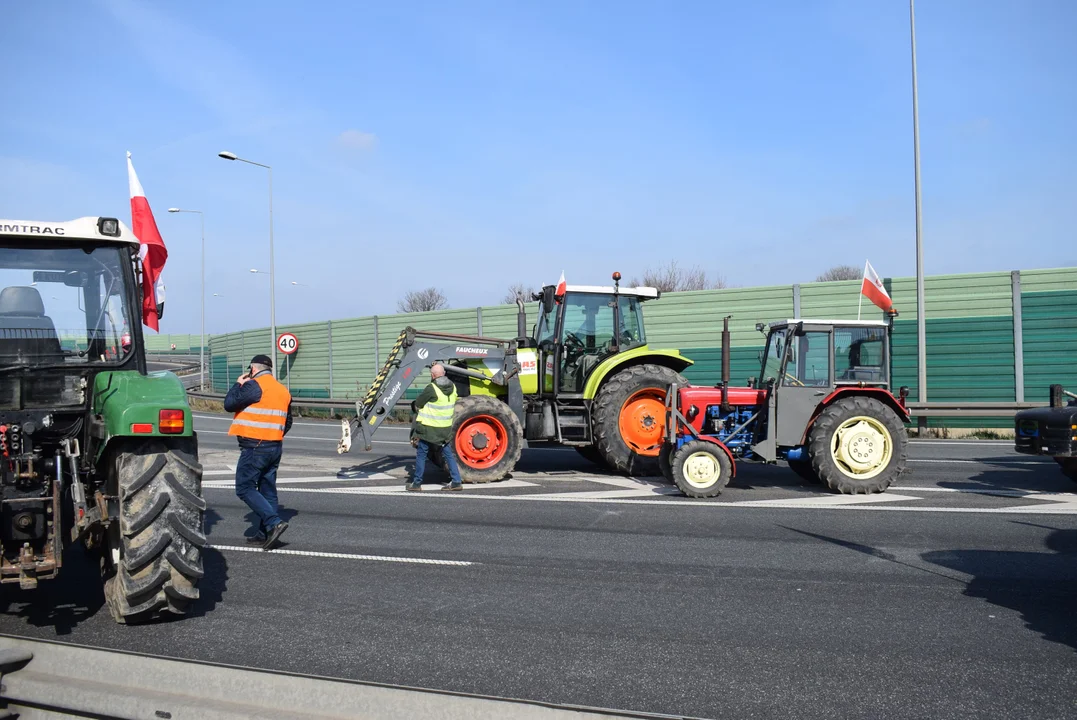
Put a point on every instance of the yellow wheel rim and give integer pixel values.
(862, 447)
(701, 470)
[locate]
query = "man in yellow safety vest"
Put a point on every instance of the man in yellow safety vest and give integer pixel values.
(433, 428)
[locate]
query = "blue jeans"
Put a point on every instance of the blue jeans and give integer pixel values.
(256, 483)
(422, 450)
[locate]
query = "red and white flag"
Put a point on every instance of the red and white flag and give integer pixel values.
(561, 287)
(872, 288)
(152, 249)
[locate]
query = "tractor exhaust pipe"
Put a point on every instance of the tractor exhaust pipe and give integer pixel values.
(521, 318)
(725, 364)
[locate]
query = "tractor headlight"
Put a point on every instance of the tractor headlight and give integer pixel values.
(108, 226)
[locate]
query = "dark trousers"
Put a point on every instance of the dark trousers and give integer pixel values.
(256, 482)
(422, 450)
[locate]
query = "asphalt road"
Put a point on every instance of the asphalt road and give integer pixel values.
(950, 595)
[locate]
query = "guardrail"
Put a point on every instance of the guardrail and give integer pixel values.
(44, 678)
(917, 410)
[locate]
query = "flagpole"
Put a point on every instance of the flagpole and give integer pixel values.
(860, 302)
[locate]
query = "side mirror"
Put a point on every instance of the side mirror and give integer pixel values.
(548, 299)
(761, 327)
(76, 278)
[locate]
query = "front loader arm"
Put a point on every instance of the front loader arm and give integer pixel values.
(414, 351)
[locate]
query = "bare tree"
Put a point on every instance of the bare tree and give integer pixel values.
(422, 301)
(670, 278)
(517, 289)
(840, 272)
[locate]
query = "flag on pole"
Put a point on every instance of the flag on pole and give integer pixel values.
(561, 287)
(152, 249)
(872, 288)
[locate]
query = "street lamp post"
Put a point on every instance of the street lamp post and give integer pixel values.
(272, 287)
(202, 343)
(921, 321)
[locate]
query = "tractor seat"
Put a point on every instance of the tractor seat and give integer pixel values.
(26, 333)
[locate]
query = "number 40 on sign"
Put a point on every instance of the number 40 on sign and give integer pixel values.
(287, 343)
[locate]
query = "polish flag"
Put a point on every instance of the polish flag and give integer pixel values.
(872, 288)
(561, 287)
(152, 249)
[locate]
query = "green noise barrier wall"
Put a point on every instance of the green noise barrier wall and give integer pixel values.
(1002, 336)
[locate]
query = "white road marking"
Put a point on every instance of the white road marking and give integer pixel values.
(305, 437)
(1003, 492)
(343, 556)
(977, 462)
(376, 489)
(828, 501)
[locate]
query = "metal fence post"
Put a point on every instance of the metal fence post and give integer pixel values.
(377, 359)
(329, 344)
(796, 301)
(478, 319)
(1018, 338)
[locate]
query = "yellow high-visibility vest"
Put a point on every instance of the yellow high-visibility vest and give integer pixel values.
(438, 412)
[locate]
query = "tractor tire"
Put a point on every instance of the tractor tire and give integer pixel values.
(804, 469)
(1068, 466)
(159, 536)
(629, 418)
(591, 453)
(701, 469)
(487, 439)
(665, 462)
(858, 445)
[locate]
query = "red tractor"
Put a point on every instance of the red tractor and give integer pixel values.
(822, 403)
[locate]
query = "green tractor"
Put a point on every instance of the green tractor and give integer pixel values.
(585, 377)
(93, 448)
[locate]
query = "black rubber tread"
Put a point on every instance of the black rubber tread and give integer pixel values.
(591, 453)
(691, 448)
(804, 470)
(159, 483)
(828, 472)
(468, 407)
(665, 461)
(1068, 466)
(606, 412)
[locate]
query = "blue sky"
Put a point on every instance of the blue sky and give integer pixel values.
(469, 145)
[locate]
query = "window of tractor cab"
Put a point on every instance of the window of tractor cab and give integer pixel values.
(809, 360)
(589, 322)
(859, 354)
(64, 305)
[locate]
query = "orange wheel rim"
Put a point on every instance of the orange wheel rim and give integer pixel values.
(481, 442)
(643, 421)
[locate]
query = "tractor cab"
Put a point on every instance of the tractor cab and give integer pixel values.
(582, 327)
(806, 361)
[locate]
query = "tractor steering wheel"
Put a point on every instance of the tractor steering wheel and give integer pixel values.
(795, 382)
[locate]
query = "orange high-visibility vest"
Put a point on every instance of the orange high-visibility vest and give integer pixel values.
(265, 419)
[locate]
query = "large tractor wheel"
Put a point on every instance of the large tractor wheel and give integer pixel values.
(487, 438)
(1069, 467)
(701, 469)
(858, 445)
(153, 559)
(629, 418)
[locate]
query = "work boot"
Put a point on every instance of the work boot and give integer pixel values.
(412, 487)
(452, 486)
(274, 534)
(256, 540)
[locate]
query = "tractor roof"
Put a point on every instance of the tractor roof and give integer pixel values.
(74, 231)
(640, 292)
(843, 323)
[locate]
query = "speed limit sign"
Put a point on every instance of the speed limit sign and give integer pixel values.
(287, 343)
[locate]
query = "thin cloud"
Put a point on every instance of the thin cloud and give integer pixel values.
(357, 140)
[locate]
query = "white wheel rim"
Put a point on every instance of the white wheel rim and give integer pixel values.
(701, 470)
(862, 447)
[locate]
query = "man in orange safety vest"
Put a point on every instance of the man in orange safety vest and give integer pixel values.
(263, 416)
